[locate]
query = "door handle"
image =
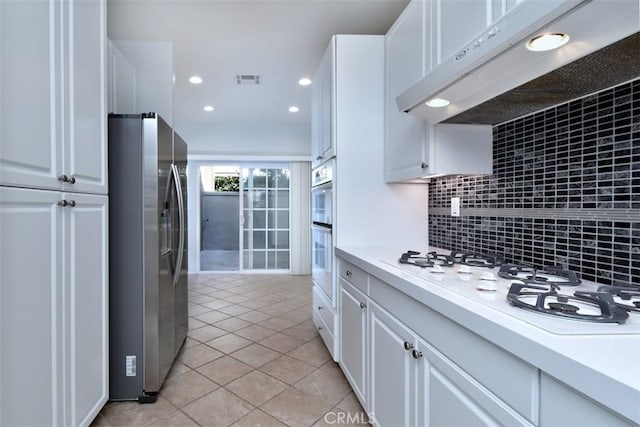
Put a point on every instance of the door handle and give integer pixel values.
(181, 220)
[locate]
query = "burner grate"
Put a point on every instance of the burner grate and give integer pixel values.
(490, 260)
(626, 298)
(430, 259)
(552, 275)
(601, 306)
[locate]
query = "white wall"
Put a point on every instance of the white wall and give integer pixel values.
(242, 139)
(153, 62)
(122, 83)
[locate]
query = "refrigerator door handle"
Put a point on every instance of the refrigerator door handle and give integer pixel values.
(181, 219)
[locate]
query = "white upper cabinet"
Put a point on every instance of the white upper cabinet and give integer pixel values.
(323, 133)
(414, 149)
(85, 116)
(30, 94)
(456, 23)
(53, 103)
(407, 56)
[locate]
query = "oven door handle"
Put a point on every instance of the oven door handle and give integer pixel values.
(324, 186)
(321, 226)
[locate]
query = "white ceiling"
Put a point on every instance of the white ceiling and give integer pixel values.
(281, 40)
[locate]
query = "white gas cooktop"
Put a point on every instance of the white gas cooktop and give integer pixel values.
(483, 286)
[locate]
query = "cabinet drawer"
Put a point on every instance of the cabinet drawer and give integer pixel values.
(354, 275)
(326, 335)
(324, 310)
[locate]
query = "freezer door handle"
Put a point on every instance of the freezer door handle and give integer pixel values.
(181, 219)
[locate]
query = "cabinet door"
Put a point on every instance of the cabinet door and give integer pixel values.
(30, 88)
(392, 371)
(316, 119)
(500, 7)
(86, 252)
(449, 396)
(322, 137)
(449, 405)
(407, 58)
(456, 23)
(327, 66)
(30, 306)
(85, 115)
(353, 338)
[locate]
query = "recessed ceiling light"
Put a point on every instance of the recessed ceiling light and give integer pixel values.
(550, 41)
(208, 108)
(293, 109)
(196, 80)
(437, 102)
(304, 82)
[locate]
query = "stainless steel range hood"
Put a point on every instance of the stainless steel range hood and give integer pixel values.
(503, 80)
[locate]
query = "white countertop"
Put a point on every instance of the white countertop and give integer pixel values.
(603, 365)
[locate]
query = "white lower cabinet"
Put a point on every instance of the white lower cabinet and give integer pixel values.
(560, 405)
(53, 307)
(353, 333)
(324, 318)
(394, 382)
(412, 384)
(411, 366)
(455, 398)
(401, 378)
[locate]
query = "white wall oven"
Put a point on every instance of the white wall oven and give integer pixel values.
(322, 198)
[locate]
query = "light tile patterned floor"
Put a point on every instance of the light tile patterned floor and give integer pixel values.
(252, 358)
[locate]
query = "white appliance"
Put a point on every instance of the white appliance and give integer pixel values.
(490, 284)
(322, 214)
(497, 61)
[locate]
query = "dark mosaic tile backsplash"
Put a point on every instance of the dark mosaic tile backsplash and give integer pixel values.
(580, 160)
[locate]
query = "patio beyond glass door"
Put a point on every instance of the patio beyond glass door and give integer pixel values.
(265, 222)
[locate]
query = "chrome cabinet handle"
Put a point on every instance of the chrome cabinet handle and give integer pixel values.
(319, 307)
(348, 273)
(416, 354)
(319, 328)
(318, 157)
(64, 203)
(407, 345)
(69, 179)
(362, 305)
(424, 165)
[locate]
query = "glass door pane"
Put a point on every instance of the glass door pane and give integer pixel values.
(265, 197)
(219, 212)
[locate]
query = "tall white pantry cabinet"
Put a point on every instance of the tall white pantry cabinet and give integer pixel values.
(53, 212)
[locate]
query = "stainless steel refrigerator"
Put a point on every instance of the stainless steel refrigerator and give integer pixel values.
(147, 253)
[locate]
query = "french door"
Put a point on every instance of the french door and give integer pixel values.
(259, 194)
(265, 218)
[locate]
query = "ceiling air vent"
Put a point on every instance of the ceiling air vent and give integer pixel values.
(245, 79)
